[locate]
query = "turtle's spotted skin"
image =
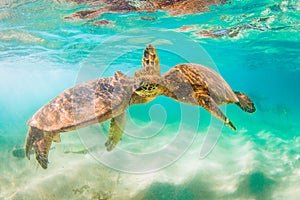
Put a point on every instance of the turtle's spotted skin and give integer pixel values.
(85, 104)
(103, 99)
(199, 85)
(92, 102)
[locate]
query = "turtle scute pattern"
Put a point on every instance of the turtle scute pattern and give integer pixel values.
(199, 85)
(108, 98)
(85, 104)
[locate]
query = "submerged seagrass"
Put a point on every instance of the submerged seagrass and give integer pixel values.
(102, 99)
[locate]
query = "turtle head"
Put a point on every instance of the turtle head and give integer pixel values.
(146, 90)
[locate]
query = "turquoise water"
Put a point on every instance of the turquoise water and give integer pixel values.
(167, 151)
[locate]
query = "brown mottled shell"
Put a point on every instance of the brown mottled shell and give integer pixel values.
(85, 104)
(201, 80)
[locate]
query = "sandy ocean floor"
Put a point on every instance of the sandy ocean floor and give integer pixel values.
(239, 166)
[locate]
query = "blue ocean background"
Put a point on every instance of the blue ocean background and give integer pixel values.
(42, 54)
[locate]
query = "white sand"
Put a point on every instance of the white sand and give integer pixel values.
(229, 172)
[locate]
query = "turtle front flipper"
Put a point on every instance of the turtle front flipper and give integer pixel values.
(150, 62)
(210, 105)
(117, 125)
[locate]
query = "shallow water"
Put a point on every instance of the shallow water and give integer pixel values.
(169, 150)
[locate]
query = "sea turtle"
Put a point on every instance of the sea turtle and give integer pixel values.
(93, 102)
(199, 85)
(108, 98)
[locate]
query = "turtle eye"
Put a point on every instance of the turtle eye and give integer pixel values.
(139, 88)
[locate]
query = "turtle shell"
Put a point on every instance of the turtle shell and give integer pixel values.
(200, 79)
(84, 104)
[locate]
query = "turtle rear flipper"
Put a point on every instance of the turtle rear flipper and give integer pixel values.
(41, 149)
(245, 103)
(33, 135)
(41, 143)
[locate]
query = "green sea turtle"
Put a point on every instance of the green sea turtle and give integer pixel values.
(199, 85)
(108, 98)
(93, 102)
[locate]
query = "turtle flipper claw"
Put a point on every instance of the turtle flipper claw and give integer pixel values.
(230, 124)
(109, 145)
